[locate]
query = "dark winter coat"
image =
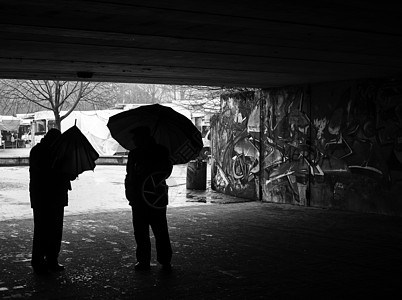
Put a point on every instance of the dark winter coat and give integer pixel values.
(47, 186)
(141, 163)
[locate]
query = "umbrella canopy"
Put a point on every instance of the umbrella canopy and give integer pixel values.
(168, 127)
(73, 153)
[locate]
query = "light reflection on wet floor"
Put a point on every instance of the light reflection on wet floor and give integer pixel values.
(98, 191)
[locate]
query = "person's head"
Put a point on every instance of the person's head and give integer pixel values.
(51, 136)
(141, 136)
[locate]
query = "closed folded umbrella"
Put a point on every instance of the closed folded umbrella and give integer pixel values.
(168, 127)
(73, 153)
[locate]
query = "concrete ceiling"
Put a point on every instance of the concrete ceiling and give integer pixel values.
(220, 43)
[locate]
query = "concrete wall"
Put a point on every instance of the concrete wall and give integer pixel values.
(336, 145)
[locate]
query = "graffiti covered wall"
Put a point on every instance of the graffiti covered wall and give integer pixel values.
(288, 159)
(336, 145)
(235, 146)
(359, 125)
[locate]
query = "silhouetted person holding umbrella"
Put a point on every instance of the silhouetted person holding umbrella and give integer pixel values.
(48, 190)
(148, 166)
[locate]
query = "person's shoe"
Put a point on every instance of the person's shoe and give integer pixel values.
(142, 266)
(40, 268)
(55, 267)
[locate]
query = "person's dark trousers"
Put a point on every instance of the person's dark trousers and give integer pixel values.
(48, 232)
(143, 217)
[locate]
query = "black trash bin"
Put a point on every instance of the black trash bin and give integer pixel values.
(196, 175)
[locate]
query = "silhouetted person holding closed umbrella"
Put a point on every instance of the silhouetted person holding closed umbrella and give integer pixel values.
(148, 166)
(48, 190)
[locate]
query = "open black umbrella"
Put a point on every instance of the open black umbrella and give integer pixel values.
(168, 127)
(73, 153)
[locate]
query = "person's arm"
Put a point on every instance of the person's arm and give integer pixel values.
(129, 183)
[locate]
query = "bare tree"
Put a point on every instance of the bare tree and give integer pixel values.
(194, 98)
(131, 93)
(156, 92)
(56, 95)
(200, 98)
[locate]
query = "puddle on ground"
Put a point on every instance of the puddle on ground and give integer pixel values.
(194, 198)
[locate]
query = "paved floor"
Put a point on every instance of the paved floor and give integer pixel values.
(235, 250)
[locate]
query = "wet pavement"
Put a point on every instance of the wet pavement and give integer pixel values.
(94, 191)
(97, 191)
(233, 251)
(223, 249)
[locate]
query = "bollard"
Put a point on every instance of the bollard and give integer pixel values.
(196, 175)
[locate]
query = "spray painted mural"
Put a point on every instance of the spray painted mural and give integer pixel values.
(333, 145)
(235, 146)
(360, 125)
(289, 157)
